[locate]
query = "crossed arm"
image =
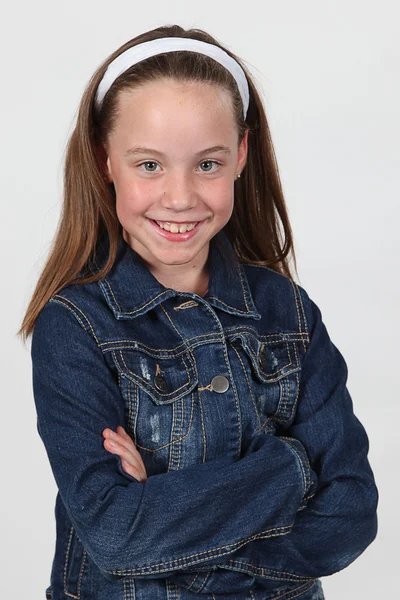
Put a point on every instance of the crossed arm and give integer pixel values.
(339, 521)
(303, 503)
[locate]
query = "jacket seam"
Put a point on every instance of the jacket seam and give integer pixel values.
(213, 553)
(214, 338)
(291, 593)
(304, 468)
(66, 303)
(298, 300)
(206, 577)
(265, 572)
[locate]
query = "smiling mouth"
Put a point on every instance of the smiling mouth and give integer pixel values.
(174, 227)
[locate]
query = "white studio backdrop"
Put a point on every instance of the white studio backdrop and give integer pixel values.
(329, 75)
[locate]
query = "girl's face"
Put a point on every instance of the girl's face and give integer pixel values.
(173, 157)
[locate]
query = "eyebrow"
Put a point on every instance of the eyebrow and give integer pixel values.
(141, 150)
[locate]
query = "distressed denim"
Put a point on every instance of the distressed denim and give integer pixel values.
(258, 481)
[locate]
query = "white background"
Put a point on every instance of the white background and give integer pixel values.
(329, 76)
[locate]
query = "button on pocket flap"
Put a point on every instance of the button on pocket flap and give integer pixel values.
(166, 377)
(272, 358)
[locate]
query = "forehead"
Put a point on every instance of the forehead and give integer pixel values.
(168, 105)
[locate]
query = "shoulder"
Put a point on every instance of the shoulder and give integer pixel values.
(288, 308)
(260, 275)
(278, 294)
(79, 304)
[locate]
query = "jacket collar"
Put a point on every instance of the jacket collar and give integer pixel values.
(130, 288)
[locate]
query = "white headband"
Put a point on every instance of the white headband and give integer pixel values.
(142, 51)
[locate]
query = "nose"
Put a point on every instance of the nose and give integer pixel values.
(178, 192)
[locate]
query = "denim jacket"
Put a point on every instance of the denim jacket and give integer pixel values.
(258, 477)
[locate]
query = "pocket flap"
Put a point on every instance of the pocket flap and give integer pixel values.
(165, 377)
(272, 359)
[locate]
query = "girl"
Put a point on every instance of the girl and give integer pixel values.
(193, 407)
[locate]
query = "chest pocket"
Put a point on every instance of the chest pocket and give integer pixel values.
(159, 392)
(272, 370)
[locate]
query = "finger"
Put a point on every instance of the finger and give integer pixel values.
(122, 432)
(124, 440)
(132, 463)
(132, 466)
(137, 473)
(115, 447)
(119, 433)
(128, 468)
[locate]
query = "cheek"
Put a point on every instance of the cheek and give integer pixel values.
(133, 198)
(222, 197)
(123, 212)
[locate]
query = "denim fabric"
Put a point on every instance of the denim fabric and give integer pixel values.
(253, 492)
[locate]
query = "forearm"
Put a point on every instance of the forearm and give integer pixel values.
(340, 520)
(195, 516)
(321, 542)
(191, 517)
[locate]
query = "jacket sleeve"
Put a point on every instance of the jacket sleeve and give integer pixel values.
(340, 521)
(172, 521)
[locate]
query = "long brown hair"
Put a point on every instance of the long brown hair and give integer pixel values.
(88, 210)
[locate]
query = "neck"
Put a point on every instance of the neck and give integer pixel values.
(191, 277)
(196, 283)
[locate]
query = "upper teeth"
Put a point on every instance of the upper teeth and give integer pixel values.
(176, 227)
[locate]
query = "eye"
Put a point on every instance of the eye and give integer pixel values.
(149, 162)
(154, 164)
(209, 162)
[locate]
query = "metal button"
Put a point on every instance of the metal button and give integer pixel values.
(219, 384)
(160, 383)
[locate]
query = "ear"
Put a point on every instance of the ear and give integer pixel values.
(104, 162)
(242, 153)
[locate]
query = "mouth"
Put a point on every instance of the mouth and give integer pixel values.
(177, 236)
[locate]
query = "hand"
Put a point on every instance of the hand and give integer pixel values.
(132, 462)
